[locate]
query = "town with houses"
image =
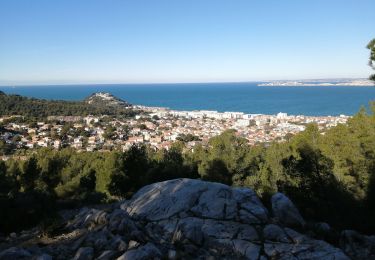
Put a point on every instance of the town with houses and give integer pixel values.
(321, 83)
(157, 127)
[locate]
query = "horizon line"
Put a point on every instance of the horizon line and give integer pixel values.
(170, 83)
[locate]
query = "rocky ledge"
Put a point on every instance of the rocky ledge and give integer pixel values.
(187, 219)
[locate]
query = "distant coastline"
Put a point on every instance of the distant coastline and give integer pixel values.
(321, 83)
(244, 97)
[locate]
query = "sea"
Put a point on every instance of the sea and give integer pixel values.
(235, 97)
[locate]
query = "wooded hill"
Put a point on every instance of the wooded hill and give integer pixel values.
(41, 108)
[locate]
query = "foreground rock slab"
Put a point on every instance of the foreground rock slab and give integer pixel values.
(185, 219)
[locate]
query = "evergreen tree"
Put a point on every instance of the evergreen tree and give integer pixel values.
(5, 184)
(87, 182)
(371, 47)
(30, 173)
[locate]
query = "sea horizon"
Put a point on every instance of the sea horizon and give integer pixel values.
(245, 97)
(85, 83)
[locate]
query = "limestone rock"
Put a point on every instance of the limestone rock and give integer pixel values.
(190, 219)
(322, 227)
(275, 233)
(14, 253)
(164, 200)
(148, 251)
(107, 255)
(133, 244)
(88, 218)
(43, 257)
(357, 246)
(84, 253)
(246, 249)
(172, 255)
(314, 249)
(285, 211)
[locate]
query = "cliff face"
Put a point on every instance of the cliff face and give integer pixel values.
(187, 219)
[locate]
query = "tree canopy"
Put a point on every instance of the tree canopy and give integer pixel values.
(41, 108)
(330, 177)
(371, 47)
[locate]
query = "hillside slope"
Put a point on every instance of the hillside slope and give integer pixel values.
(40, 108)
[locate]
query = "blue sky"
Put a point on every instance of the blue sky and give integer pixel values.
(137, 41)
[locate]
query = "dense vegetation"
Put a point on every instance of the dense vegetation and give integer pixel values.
(330, 176)
(40, 108)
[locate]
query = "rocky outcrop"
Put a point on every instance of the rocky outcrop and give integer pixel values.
(187, 219)
(358, 246)
(84, 253)
(15, 253)
(204, 200)
(285, 211)
(105, 99)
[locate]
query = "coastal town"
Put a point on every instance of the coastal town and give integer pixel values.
(156, 127)
(362, 82)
